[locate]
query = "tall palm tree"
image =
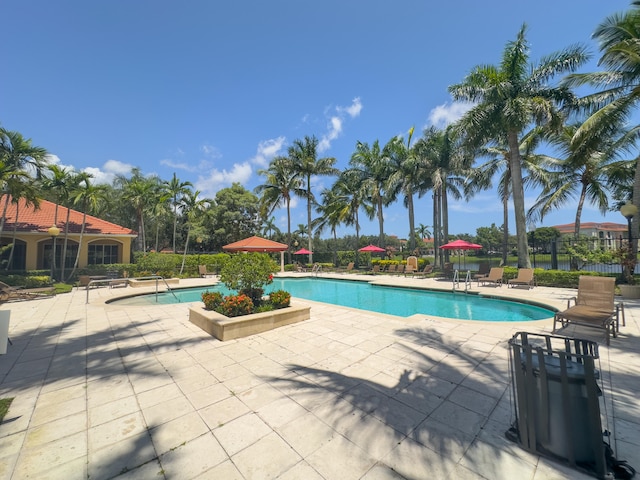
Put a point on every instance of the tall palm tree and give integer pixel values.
(618, 96)
(306, 164)
(20, 162)
(375, 166)
(87, 197)
(281, 181)
(193, 208)
(269, 227)
(349, 193)
(58, 182)
(332, 213)
(405, 176)
(176, 190)
(137, 191)
(508, 99)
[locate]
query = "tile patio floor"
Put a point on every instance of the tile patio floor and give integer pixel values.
(105, 391)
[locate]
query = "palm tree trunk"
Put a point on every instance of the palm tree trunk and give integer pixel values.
(505, 221)
(517, 188)
(288, 200)
(576, 226)
(186, 246)
(310, 242)
(77, 260)
(445, 217)
(13, 241)
(436, 229)
(412, 222)
(4, 213)
(380, 222)
(64, 248)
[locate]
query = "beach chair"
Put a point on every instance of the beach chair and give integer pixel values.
(202, 271)
(409, 269)
(375, 269)
(392, 268)
(525, 278)
(494, 277)
(8, 292)
(593, 307)
(483, 270)
(400, 269)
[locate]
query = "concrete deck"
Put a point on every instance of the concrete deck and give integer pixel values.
(105, 391)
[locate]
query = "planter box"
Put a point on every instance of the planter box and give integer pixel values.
(152, 283)
(629, 291)
(226, 328)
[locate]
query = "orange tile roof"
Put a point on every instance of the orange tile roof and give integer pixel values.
(32, 220)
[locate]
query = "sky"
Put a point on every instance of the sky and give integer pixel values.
(213, 90)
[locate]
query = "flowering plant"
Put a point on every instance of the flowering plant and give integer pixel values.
(248, 273)
(235, 306)
(280, 299)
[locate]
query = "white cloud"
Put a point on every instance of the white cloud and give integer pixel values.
(210, 151)
(109, 170)
(268, 149)
(446, 114)
(218, 179)
(335, 124)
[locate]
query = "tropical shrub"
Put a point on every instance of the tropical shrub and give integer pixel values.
(235, 306)
(248, 273)
(212, 300)
(280, 299)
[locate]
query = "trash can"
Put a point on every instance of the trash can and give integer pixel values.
(557, 395)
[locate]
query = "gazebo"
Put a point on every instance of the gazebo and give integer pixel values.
(258, 244)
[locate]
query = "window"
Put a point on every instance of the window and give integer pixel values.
(103, 254)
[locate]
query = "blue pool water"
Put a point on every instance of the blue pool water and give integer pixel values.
(402, 302)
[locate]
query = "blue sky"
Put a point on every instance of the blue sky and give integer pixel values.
(212, 90)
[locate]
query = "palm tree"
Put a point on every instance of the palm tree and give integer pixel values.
(349, 193)
(88, 197)
(305, 164)
(176, 190)
(59, 182)
(618, 37)
(269, 227)
(29, 193)
(281, 181)
(137, 191)
(422, 231)
(193, 208)
(405, 176)
(20, 162)
(375, 166)
(332, 214)
(508, 99)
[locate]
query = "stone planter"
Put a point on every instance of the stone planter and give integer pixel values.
(225, 328)
(629, 291)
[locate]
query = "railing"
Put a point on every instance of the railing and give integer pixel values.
(456, 280)
(317, 268)
(108, 281)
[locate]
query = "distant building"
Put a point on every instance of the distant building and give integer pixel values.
(606, 235)
(102, 242)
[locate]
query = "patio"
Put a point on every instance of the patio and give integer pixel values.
(104, 391)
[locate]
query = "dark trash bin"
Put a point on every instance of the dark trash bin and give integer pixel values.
(557, 395)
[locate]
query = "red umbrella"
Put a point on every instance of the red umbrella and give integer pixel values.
(371, 248)
(302, 251)
(461, 245)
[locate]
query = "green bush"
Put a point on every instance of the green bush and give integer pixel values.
(280, 299)
(235, 306)
(212, 300)
(248, 273)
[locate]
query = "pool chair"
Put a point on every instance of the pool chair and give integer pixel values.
(202, 271)
(8, 292)
(392, 268)
(375, 269)
(409, 270)
(524, 278)
(483, 270)
(427, 270)
(400, 269)
(447, 270)
(593, 307)
(494, 277)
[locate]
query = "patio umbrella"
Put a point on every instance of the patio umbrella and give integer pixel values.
(302, 251)
(372, 249)
(461, 245)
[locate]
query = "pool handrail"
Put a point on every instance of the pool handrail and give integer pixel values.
(150, 277)
(456, 280)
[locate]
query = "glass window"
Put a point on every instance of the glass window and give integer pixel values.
(103, 254)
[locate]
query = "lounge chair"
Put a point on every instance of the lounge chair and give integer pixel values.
(594, 306)
(392, 268)
(427, 270)
(375, 269)
(8, 292)
(400, 269)
(494, 277)
(447, 270)
(350, 266)
(525, 278)
(202, 271)
(409, 269)
(483, 270)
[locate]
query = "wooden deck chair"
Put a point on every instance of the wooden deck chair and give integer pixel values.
(594, 306)
(8, 292)
(525, 278)
(494, 277)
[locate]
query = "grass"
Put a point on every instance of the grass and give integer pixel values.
(4, 406)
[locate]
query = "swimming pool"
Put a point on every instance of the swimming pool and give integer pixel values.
(397, 301)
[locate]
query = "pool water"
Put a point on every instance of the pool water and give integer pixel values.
(397, 301)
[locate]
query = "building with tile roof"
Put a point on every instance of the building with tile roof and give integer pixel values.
(604, 234)
(102, 242)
